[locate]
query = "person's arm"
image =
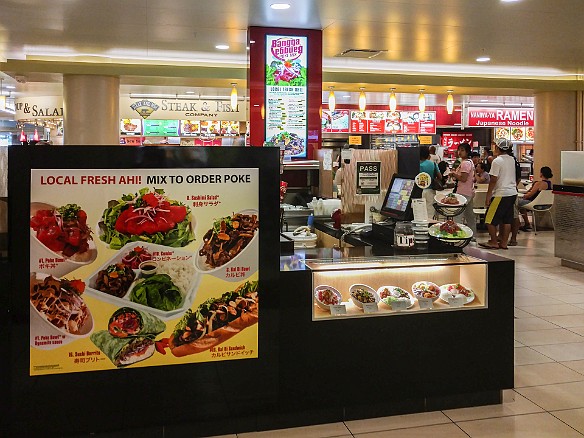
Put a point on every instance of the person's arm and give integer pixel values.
(534, 189)
(492, 182)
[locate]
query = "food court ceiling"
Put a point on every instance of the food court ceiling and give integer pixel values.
(169, 45)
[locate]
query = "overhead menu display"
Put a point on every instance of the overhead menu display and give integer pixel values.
(391, 122)
(335, 121)
(157, 267)
(287, 93)
(167, 128)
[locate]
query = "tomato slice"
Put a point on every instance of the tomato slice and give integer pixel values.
(177, 213)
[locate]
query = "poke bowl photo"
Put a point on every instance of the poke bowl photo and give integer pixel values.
(58, 313)
(60, 240)
(231, 242)
(363, 294)
(326, 296)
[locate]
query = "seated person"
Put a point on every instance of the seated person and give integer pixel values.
(544, 184)
(475, 157)
(482, 173)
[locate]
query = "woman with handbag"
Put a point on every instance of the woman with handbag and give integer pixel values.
(428, 166)
(464, 175)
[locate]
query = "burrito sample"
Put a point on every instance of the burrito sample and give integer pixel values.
(123, 351)
(127, 322)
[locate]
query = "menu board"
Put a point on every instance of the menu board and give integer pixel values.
(163, 128)
(142, 288)
(335, 121)
(451, 140)
(229, 128)
(131, 127)
(210, 127)
(515, 133)
(393, 122)
(190, 128)
(287, 93)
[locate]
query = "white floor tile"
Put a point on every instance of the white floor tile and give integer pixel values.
(572, 417)
(544, 374)
(562, 352)
(396, 422)
(527, 356)
(542, 425)
(556, 397)
(566, 321)
(553, 310)
(576, 365)
(546, 337)
(527, 324)
(437, 431)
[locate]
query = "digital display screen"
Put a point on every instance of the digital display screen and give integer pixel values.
(399, 194)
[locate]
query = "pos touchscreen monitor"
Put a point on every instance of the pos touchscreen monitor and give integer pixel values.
(398, 199)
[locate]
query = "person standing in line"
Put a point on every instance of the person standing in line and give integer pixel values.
(501, 196)
(433, 157)
(431, 168)
(465, 176)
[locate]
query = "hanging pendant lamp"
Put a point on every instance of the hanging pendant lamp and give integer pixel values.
(450, 103)
(362, 100)
(392, 100)
(234, 97)
(422, 101)
(332, 101)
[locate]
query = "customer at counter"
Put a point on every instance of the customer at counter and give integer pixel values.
(482, 173)
(464, 175)
(501, 196)
(431, 168)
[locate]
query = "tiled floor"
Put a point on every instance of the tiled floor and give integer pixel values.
(548, 400)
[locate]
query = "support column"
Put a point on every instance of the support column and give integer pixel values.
(91, 107)
(556, 121)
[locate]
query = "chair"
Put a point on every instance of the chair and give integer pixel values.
(478, 202)
(544, 201)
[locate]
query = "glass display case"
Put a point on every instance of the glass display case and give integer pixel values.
(388, 286)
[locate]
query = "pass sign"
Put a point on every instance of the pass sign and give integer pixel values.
(368, 177)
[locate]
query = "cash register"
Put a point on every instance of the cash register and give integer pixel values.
(396, 207)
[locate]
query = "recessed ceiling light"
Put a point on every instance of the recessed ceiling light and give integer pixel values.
(189, 92)
(484, 100)
(347, 96)
(280, 6)
(10, 87)
(509, 1)
(483, 58)
(222, 47)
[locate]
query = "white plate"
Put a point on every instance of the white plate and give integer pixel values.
(461, 200)
(165, 253)
(320, 303)
(391, 289)
(445, 293)
(416, 285)
(367, 288)
(434, 231)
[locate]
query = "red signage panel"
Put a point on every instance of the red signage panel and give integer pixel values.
(495, 117)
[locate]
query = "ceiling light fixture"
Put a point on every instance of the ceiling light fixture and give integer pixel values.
(222, 47)
(22, 136)
(332, 101)
(280, 6)
(450, 102)
(189, 92)
(362, 99)
(10, 87)
(483, 57)
(392, 100)
(233, 97)
(422, 101)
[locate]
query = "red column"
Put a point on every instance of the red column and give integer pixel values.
(257, 37)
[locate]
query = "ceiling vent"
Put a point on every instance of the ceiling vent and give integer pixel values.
(361, 53)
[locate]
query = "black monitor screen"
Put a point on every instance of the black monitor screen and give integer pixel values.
(397, 202)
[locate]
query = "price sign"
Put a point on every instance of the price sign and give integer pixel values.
(399, 305)
(456, 301)
(426, 303)
(338, 309)
(370, 308)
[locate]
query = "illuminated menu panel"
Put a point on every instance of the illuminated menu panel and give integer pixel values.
(287, 93)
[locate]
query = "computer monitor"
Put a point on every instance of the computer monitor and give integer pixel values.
(398, 199)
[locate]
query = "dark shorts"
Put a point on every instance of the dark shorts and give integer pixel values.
(500, 210)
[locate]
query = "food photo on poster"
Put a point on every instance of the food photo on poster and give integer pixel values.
(151, 263)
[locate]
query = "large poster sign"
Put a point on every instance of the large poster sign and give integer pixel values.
(392, 122)
(495, 117)
(45, 107)
(156, 267)
(451, 140)
(287, 93)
